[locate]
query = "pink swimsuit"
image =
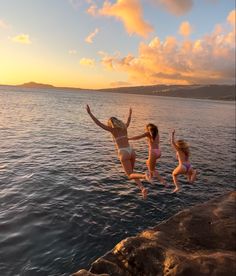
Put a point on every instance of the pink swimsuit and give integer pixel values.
(157, 152)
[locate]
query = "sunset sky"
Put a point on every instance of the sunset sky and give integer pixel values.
(97, 44)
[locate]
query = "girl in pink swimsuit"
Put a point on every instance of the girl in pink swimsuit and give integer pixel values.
(184, 167)
(154, 151)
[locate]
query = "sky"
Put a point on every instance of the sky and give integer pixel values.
(112, 43)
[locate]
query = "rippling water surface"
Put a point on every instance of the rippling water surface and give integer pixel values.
(64, 200)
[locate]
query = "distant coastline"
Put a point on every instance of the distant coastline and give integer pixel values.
(210, 92)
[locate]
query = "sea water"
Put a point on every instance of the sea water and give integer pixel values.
(64, 199)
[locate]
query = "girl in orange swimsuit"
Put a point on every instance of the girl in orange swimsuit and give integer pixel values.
(126, 153)
(184, 167)
(154, 152)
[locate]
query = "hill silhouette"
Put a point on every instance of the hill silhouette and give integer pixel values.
(197, 91)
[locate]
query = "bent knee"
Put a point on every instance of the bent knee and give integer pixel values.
(129, 176)
(174, 173)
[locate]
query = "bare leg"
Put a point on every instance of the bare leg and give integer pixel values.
(178, 170)
(193, 176)
(160, 178)
(151, 163)
(133, 158)
(135, 175)
(128, 165)
(189, 176)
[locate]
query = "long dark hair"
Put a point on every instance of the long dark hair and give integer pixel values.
(153, 130)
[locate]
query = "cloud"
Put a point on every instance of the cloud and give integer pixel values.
(176, 7)
(22, 38)
(87, 62)
(3, 24)
(231, 18)
(89, 38)
(185, 28)
(72, 52)
(107, 60)
(92, 10)
(210, 59)
(130, 13)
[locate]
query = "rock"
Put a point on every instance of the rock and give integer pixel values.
(197, 241)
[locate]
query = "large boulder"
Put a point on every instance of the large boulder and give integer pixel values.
(197, 241)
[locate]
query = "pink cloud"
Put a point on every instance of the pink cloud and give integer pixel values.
(210, 59)
(185, 28)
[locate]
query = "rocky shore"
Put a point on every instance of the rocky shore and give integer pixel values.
(197, 241)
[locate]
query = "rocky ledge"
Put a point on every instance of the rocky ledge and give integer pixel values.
(197, 241)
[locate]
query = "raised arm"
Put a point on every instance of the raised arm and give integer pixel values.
(173, 140)
(129, 118)
(96, 121)
(138, 136)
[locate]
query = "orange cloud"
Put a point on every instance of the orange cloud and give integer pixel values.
(130, 13)
(206, 60)
(176, 7)
(87, 62)
(231, 18)
(185, 28)
(92, 10)
(22, 38)
(89, 38)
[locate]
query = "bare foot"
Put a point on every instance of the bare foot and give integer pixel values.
(144, 192)
(148, 177)
(176, 190)
(193, 176)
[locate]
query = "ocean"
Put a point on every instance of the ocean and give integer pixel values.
(64, 199)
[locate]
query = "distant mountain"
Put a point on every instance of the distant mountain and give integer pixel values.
(36, 85)
(198, 91)
(213, 91)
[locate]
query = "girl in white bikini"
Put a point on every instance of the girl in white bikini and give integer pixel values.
(184, 167)
(126, 154)
(154, 152)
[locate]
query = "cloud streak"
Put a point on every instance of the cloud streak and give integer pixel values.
(22, 38)
(87, 62)
(90, 37)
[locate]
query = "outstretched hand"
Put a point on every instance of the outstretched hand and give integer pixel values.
(130, 110)
(173, 132)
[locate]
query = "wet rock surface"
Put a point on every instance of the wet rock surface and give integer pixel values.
(197, 241)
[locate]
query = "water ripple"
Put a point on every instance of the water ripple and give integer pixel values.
(64, 198)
